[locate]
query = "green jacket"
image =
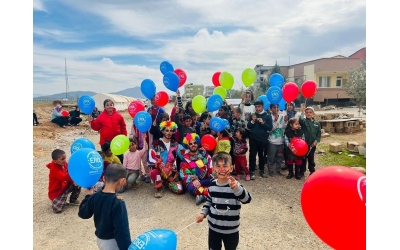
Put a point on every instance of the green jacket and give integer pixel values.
(311, 129)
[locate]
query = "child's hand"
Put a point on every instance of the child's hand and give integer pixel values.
(90, 118)
(200, 218)
(233, 183)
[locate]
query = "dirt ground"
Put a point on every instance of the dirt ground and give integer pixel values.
(273, 220)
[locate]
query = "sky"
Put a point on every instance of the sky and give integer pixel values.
(113, 45)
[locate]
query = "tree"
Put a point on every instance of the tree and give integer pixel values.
(356, 86)
(264, 86)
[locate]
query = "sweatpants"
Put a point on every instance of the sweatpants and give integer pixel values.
(110, 244)
(231, 241)
(275, 157)
(311, 162)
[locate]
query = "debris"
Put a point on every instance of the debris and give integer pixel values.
(352, 156)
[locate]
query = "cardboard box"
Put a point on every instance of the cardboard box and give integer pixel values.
(335, 147)
(352, 146)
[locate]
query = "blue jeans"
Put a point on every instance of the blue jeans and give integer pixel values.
(131, 178)
(274, 156)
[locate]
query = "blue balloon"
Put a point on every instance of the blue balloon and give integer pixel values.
(276, 80)
(165, 67)
(85, 167)
(214, 102)
(171, 81)
(282, 104)
(148, 88)
(156, 239)
(265, 100)
(143, 121)
(274, 95)
(217, 124)
(81, 143)
(226, 123)
(86, 103)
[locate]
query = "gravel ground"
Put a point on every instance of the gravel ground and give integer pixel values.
(273, 220)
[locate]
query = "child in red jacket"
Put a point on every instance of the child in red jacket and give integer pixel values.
(60, 183)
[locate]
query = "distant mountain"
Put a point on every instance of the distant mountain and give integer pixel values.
(131, 92)
(37, 95)
(74, 95)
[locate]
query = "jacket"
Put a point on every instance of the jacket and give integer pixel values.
(59, 179)
(289, 135)
(311, 129)
(109, 126)
(223, 145)
(258, 131)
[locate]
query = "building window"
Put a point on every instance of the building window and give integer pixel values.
(339, 81)
(324, 81)
(261, 79)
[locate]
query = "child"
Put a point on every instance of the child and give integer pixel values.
(235, 121)
(312, 133)
(246, 107)
(131, 162)
(293, 130)
(195, 123)
(239, 154)
(205, 124)
(223, 142)
(60, 183)
(223, 215)
(109, 156)
(100, 184)
(108, 211)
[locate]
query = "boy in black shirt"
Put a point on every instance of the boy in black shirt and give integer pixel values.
(109, 210)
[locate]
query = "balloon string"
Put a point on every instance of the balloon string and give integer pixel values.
(186, 227)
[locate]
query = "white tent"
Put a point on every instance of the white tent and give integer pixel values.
(120, 102)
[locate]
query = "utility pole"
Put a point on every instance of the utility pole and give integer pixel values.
(66, 80)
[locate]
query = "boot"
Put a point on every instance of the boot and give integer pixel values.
(290, 168)
(297, 172)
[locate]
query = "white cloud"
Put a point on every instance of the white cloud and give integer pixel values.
(38, 5)
(58, 35)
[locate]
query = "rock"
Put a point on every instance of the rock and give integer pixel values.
(321, 151)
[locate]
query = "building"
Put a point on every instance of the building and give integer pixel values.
(262, 74)
(209, 91)
(193, 90)
(120, 102)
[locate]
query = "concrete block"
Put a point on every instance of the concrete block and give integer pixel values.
(322, 131)
(339, 130)
(352, 146)
(348, 130)
(329, 116)
(338, 124)
(350, 115)
(325, 135)
(335, 147)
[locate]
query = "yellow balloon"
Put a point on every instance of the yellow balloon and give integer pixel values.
(249, 76)
(199, 104)
(220, 91)
(226, 80)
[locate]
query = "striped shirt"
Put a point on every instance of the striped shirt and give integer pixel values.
(222, 207)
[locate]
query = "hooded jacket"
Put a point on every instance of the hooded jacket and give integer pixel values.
(56, 112)
(311, 129)
(59, 179)
(109, 126)
(258, 131)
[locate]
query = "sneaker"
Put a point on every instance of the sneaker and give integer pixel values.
(237, 177)
(148, 180)
(135, 186)
(252, 176)
(263, 175)
(74, 203)
(289, 176)
(200, 199)
(248, 177)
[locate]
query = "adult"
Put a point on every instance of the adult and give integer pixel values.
(291, 111)
(196, 168)
(259, 128)
(35, 120)
(109, 123)
(247, 107)
(75, 116)
(155, 112)
(162, 154)
(57, 117)
(95, 113)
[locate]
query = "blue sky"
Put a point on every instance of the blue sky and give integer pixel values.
(114, 45)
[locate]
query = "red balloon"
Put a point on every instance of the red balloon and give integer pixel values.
(208, 142)
(333, 202)
(298, 146)
(182, 76)
(135, 107)
(161, 98)
(215, 79)
(65, 113)
(309, 88)
(290, 91)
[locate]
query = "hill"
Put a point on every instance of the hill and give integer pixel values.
(131, 92)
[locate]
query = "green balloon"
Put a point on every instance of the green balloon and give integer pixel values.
(220, 91)
(119, 144)
(249, 76)
(226, 80)
(199, 104)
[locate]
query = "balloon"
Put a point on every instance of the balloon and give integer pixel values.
(220, 91)
(214, 102)
(161, 98)
(290, 91)
(249, 76)
(265, 101)
(85, 167)
(81, 143)
(298, 146)
(274, 95)
(165, 67)
(309, 88)
(282, 104)
(208, 142)
(217, 124)
(86, 103)
(226, 80)
(119, 144)
(143, 121)
(148, 88)
(199, 103)
(135, 107)
(333, 202)
(182, 76)
(226, 123)
(65, 113)
(276, 80)
(171, 81)
(215, 79)
(156, 239)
